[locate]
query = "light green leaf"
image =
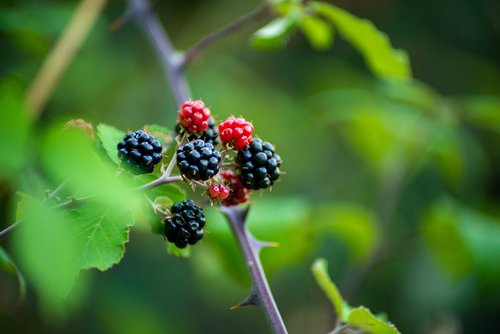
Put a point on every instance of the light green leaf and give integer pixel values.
(14, 130)
(179, 252)
(70, 156)
(483, 111)
(381, 57)
(9, 266)
(102, 233)
(110, 137)
(320, 272)
(47, 251)
(275, 34)
(362, 318)
(351, 223)
(318, 32)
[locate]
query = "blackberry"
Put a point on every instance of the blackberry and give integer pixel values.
(210, 135)
(185, 226)
(258, 165)
(194, 116)
(139, 152)
(198, 160)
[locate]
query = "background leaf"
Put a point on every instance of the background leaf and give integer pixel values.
(110, 137)
(362, 318)
(275, 34)
(9, 266)
(318, 32)
(320, 272)
(381, 57)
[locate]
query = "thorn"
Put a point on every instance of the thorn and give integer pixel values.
(251, 300)
(259, 245)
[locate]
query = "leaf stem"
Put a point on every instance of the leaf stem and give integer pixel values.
(233, 27)
(161, 180)
(251, 247)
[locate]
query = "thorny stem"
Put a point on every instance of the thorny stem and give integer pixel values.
(261, 294)
(170, 60)
(235, 26)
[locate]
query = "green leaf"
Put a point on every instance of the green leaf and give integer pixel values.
(320, 272)
(102, 234)
(179, 252)
(170, 190)
(275, 34)
(110, 137)
(381, 57)
(362, 318)
(440, 228)
(47, 251)
(483, 111)
(9, 266)
(70, 156)
(163, 134)
(353, 224)
(14, 130)
(318, 32)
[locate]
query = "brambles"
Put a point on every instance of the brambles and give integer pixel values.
(139, 152)
(258, 165)
(185, 225)
(218, 191)
(194, 116)
(236, 132)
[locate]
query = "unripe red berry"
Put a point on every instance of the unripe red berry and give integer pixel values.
(194, 116)
(238, 193)
(236, 132)
(218, 191)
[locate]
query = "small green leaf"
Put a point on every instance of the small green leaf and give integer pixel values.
(381, 57)
(9, 266)
(362, 318)
(318, 32)
(110, 137)
(275, 34)
(179, 252)
(320, 272)
(164, 202)
(102, 234)
(47, 251)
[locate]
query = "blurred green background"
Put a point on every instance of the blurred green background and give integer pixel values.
(403, 172)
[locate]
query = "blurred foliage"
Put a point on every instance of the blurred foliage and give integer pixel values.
(353, 142)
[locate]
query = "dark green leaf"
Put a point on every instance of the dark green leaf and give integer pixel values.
(14, 130)
(381, 57)
(9, 266)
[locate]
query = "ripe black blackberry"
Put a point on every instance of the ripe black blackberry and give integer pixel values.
(198, 160)
(139, 152)
(258, 165)
(185, 226)
(210, 135)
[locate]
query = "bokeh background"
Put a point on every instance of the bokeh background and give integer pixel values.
(397, 185)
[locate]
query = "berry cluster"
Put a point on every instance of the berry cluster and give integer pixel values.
(139, 152)
(247, 164)
(185, 225)
(236, 132)
(198, 160)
